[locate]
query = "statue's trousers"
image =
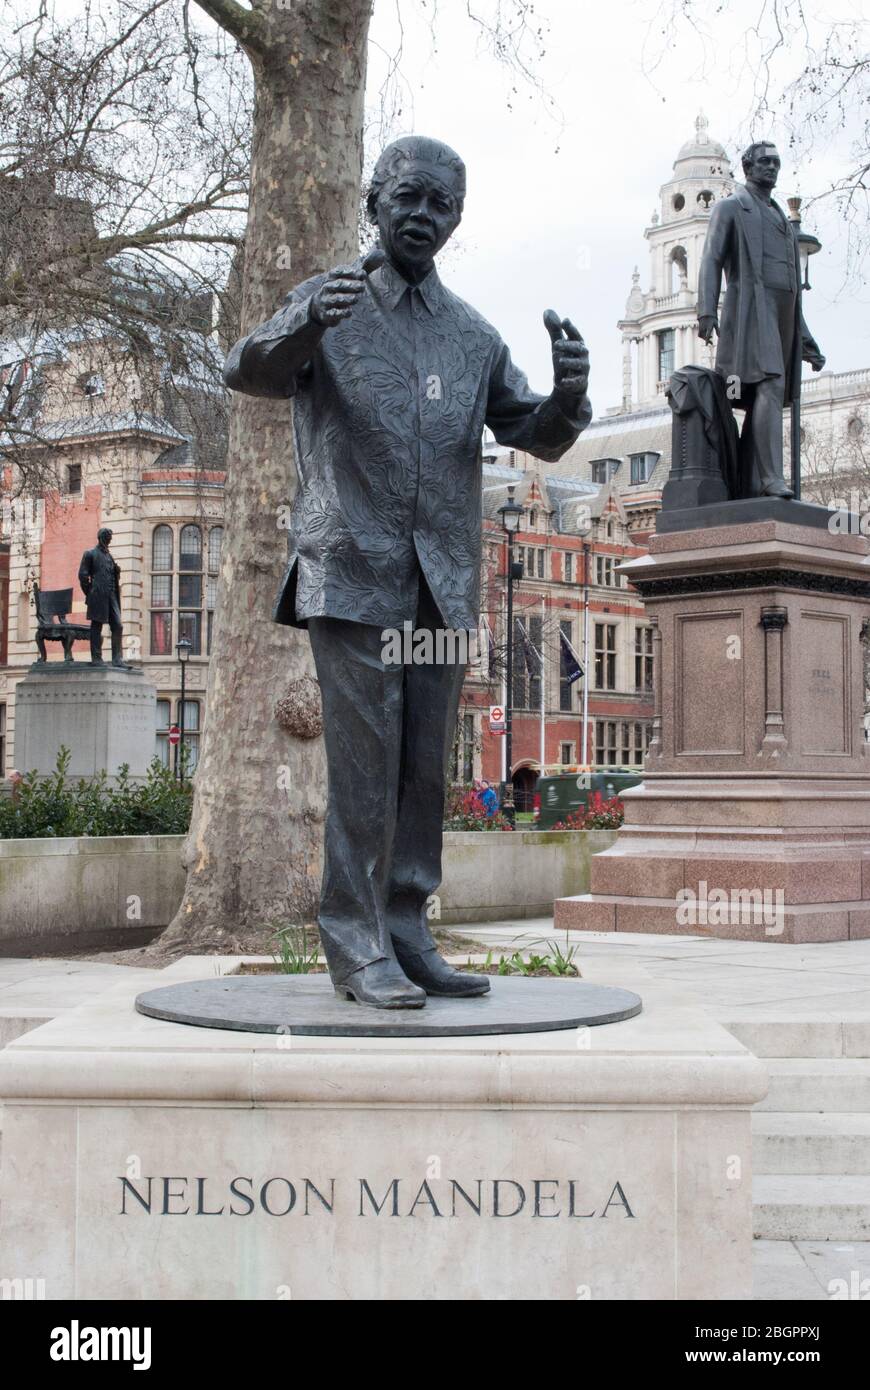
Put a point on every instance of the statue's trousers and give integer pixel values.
(389, 729)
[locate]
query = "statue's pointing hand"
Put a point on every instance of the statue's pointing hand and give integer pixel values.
(337, 295)
(570, 356)
(342, 288)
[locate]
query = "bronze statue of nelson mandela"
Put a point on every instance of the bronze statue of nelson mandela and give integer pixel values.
(393, 378)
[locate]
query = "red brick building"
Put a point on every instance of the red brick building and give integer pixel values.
(572, 538)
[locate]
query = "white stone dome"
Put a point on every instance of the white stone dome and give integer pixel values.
(702, 153)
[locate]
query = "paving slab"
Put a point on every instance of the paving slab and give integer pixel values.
(811, 1271)
(780, 1274)
(842, 1269)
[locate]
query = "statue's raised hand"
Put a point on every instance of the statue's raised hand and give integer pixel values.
(337, 295)
(342, 288)
(570, 357)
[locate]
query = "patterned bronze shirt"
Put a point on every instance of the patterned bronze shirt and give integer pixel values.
(388, 416)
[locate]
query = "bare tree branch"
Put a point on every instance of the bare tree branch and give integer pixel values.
(123, 196)
(245, 25)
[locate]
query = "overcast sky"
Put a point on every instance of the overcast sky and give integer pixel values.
(558, 201)
(562, 181)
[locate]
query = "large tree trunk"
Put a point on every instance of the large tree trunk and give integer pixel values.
(254, 852)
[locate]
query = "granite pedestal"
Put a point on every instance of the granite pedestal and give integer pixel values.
(753, 819)
(153, 1160)
(104, 715)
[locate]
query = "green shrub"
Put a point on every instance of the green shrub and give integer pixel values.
(56, 804)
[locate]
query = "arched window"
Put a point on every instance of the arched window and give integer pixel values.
(190, 550)
(164, 708)
(533, 520)
(192, 714)
(679, 267)
(191, 731)
(666, 342)
(190, 587)
(179, 589)
(161, 548)
(161, 590)
(215, 541)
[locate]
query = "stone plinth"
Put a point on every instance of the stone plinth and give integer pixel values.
(65, 894)
(491, 877)
(757, 786)
(104, 715)
(153, 1160)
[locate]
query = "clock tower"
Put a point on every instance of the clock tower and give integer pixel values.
(659, 332)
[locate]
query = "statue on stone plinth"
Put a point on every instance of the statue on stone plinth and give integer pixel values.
(393, 380)
(100, 580)
(762, 336)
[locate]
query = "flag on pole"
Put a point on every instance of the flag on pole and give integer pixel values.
(572, 667)
(531, 655)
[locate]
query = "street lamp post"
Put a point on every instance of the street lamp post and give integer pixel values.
(584, 722)
(183, 649)
(510, 514)
(807, 245)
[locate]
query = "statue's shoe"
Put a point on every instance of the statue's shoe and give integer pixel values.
(777, 490)
(382, 985)
(428, 969)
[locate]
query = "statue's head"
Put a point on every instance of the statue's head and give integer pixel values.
(104, 535)
(761, 163)
(415, 198)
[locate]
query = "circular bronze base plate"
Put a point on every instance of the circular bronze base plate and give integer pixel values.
(307, 1006)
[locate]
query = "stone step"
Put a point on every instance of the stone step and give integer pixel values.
(811, 1207)
(796, 924)
(807, 1143)
(834, 1084)
(807, 1035)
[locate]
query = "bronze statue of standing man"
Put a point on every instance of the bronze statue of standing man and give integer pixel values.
(100, 580)
(393, 379)
(762, 337)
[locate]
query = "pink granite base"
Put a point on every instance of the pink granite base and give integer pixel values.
(757, 785)
(790, 926)
(786, 883)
